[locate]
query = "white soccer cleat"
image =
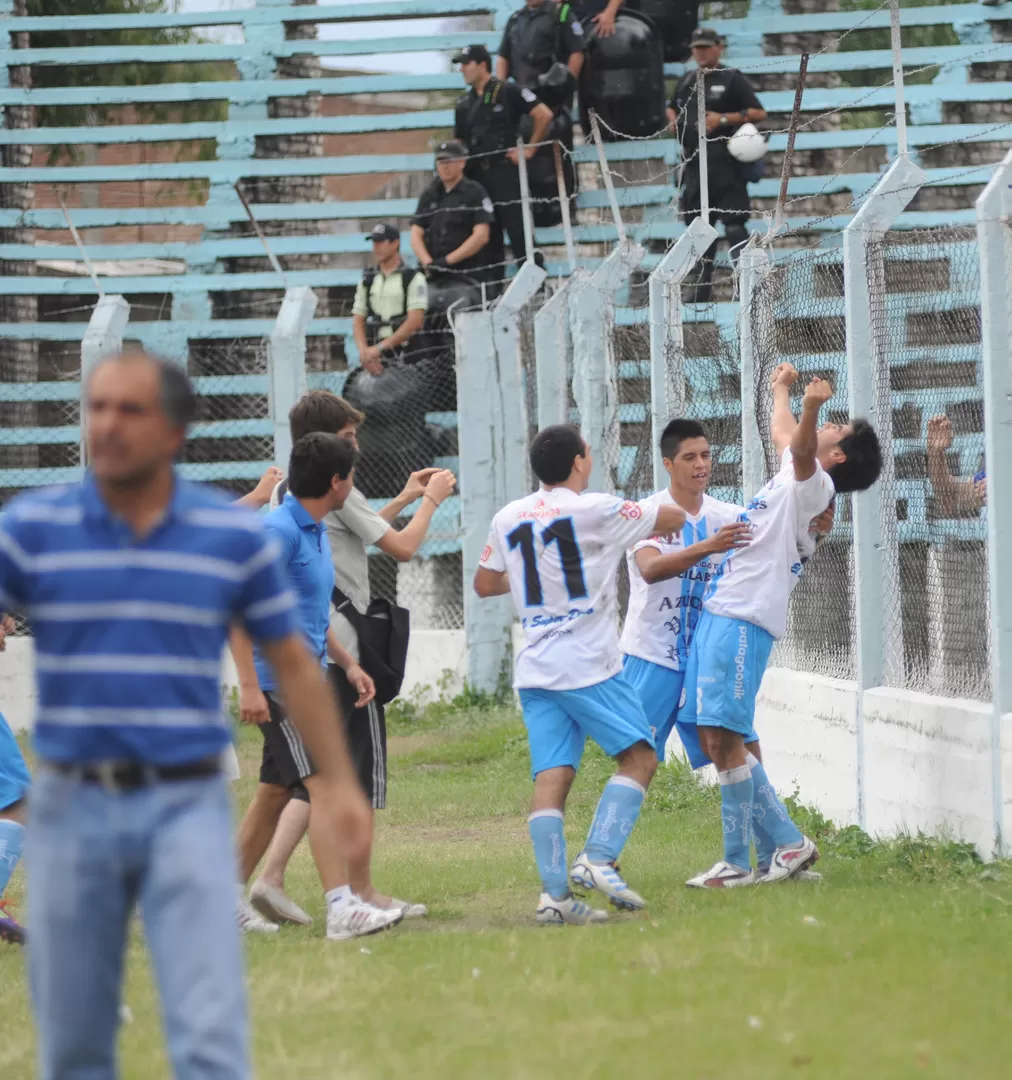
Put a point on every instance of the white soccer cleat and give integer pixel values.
(790, 861)
(356, 918)
(605, 878)
(812, 876)
(722, 876)
(567, 911)
(250, 921)
(409, 910)
(276, 906)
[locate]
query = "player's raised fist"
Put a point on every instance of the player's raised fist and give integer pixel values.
(784, 375)
(818, 391)
(939, 433)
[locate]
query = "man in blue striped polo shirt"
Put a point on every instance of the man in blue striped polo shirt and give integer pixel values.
(130, 580)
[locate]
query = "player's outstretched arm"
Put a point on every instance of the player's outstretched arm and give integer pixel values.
(782, 422)
(805, 440)
(953, 496)
(490, 582)
(653, 566)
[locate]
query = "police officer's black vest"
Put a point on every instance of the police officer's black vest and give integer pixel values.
(526, 69)
(488, 131)
(373, 320)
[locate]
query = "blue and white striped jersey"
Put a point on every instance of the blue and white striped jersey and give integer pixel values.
(129, 632)
(661, 617)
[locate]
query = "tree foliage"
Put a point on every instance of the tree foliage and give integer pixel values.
(135, 73)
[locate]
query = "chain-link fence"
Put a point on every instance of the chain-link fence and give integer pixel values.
(925, 288)
(797, 316)
(231, 441)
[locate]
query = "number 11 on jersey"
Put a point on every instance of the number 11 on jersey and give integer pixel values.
(560, 532)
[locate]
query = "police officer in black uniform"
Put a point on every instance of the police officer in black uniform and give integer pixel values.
(730, 101)
(543, 39)
(453, 220)
(487, 122)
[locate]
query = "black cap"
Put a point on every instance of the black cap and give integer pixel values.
(478, 53)
(384, 231)
(705, 36)
(451, 151)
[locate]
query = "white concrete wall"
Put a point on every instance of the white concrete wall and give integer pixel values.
(807, 726)
(928, 766)
(17, 683)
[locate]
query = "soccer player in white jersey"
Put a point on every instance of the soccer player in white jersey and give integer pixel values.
(745, 611)
(557, 552)
(667, 578)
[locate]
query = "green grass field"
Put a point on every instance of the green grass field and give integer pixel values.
(898, 965)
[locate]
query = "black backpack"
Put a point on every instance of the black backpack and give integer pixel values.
(383, 633)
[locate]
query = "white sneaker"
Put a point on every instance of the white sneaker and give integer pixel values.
(409, 910)
(789, 861)
(552, 912)
(276, 906)
(606, 878)
(722, 876)
(356, 918)
(802, 875)
(249, 921)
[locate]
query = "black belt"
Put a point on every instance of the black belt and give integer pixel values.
(130, 775)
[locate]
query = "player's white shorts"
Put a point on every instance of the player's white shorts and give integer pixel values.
(559, 722)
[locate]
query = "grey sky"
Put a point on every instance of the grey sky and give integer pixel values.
(419, 63)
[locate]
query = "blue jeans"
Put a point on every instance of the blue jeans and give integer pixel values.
(91, 855)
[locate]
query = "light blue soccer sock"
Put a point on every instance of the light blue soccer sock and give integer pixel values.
(614, 818)
(767, 808)
(12, 840)
(736, 814)
(549, 840)
(764, 846)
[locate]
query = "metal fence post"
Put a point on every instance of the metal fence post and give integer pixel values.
(553, 350)
(874, 522)
(994, 237)
(509, 365)
(286, 365)
(487, 623)
(103, 337)
(667, 339)
(754, 327)
(595, 385)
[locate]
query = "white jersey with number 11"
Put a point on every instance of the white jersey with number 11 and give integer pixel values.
(561, 552)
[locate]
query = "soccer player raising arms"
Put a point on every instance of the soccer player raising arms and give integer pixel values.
(668, 576)
(746, 611)
(556, 552)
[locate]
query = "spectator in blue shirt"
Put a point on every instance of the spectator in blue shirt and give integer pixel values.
(320, 479)
(130, 580)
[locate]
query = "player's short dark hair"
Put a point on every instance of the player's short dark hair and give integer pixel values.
(677, 432)
(553, 452)
(320, 410)
(863, 462)
(316, 459)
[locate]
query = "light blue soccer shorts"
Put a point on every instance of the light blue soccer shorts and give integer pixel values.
(559, 722)
(727, 659)
(659, 689)
(15, 780)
